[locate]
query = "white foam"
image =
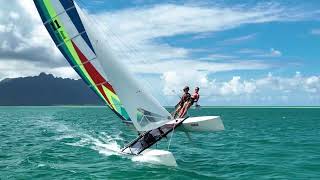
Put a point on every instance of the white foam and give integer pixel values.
(104, 143)
(155, 156)
(108, 149)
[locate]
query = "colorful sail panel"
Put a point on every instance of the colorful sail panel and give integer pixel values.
(64, 25)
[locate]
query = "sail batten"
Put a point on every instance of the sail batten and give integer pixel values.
(48, 21)
(75, 66)
(77, 35)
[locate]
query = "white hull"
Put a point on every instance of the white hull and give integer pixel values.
(156, 156)
(201, 124)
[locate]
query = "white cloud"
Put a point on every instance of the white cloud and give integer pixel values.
(275, 53)
(200, 66)
(315, 31)
(237, 40)
(235, 88)
(261, 53)
(175, 81)
(13, 15)
(23, 37)
(18, 68)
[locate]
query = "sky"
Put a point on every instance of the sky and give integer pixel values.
(238, 52)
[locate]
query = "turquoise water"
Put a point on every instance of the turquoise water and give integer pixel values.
(79, 143)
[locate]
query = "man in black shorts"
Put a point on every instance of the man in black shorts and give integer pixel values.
(184, 98)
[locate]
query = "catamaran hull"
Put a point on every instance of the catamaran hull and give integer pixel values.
(201, 124)
(154, 156)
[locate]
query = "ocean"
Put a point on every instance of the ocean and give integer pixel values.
(81, 143)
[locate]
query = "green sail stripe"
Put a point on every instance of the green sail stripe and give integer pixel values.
(76, 60)
(124, 113)
(50, 9)
(45, 7)
(67, 46)
(73, 56)
(99, 94)
(66, 37)
(110, 96)
(70, 57)
(44, 10)
(116, 104)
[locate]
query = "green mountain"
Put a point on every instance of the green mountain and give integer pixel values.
(45, 90)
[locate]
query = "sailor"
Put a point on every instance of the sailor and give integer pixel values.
(193, 99)
(195, 96)
(184, 98)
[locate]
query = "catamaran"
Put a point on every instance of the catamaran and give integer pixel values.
(80, 41)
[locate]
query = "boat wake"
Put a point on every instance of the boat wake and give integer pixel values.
(103, 143)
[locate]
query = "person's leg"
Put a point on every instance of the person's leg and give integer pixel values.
(176, 112)
(184, 109)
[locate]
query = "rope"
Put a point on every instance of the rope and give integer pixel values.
(171, 137)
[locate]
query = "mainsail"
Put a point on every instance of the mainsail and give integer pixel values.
(81, 43)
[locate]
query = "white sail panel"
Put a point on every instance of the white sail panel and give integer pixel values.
(144, 110)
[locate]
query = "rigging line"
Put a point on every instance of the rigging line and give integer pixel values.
(94, 21)
(115, 37)
(133, 52)
(136, 54)
(129, 56)
(163, 39)
(174, 126)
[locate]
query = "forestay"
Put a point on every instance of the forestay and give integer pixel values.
(81, 43)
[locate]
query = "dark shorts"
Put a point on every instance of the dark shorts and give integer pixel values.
(191, 101)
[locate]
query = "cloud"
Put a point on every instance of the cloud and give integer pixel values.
(129, 28)
(299, 83)
(174, 81)
(236, 87)
(315, 32)
(23, 36)
(238, 39)
(258, 53)
(18, 68)
(204, 66)
(275, 53)
(133, 32)
(253, 90)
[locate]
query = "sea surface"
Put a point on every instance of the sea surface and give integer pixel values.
(82, 143)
